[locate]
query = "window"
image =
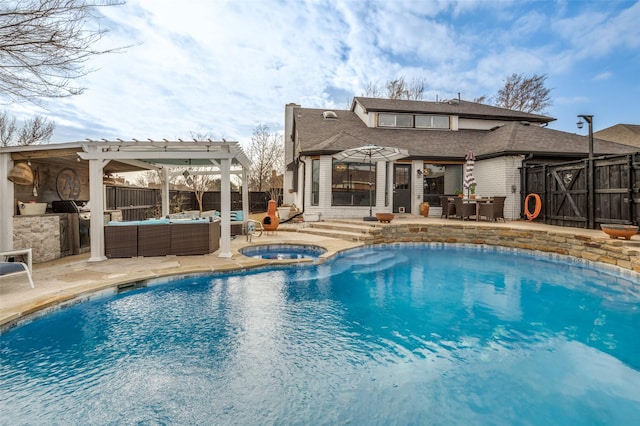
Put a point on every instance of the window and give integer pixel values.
(411, 121)
(404, 120)
(432, 121)
(395, 120)
(315, 182)
(440, 179)
(350, 183)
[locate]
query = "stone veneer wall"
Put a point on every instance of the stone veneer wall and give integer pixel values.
(41, 233)
(597, 249)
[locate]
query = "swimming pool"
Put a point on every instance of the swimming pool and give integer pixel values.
(402, 334)
(283, 251)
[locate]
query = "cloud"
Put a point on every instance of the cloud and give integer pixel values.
(222, 67)
(603, 76)
(598, 32)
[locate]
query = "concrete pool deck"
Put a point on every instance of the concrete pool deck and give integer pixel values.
(68, 278)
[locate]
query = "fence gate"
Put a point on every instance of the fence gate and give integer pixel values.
(565, 191)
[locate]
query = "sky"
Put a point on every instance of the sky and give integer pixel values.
(220, 68)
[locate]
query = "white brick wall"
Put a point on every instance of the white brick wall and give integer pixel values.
(496, 176)
(326, 210)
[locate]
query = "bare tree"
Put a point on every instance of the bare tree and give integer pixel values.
(522, 93)
(374, 90)
(481, 99)
(202, 179)
(396, 89)
(44, 45)
(37, 130)
(266, 154)
(149, 178)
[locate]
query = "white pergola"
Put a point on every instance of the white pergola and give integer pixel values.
(139, 155)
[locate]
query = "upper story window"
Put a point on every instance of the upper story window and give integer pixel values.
(413, 121)
(432, 121)
(395, 120)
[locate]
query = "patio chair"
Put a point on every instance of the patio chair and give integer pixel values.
(448, 207)
(8, 269)
(464, 210)
(494, 210)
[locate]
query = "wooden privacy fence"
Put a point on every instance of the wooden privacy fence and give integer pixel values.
(142, 203)
(568, 198)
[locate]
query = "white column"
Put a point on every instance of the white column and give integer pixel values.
(96, 196)
(245, 195)
(165, 191)
(417, 191)
(381, 180)
(7, 206)
(225, 208)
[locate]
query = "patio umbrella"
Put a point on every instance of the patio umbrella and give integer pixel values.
(468, 171)
(369, 154)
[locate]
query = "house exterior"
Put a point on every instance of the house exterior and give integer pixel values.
(437, 136)
(628, 134)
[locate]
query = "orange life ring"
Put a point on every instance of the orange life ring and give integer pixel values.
(537, 210)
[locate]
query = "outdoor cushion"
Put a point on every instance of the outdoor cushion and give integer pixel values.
(236, 215)
(128, 223)
(154, 222)
(7, 268)
(187, 221)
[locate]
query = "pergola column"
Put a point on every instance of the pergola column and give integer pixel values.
(165, 191)
(96, 197)
(7, 207)
(245, 194)
(225, 208)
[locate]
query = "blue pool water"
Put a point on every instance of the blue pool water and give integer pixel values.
(382, 335)
(283, 251)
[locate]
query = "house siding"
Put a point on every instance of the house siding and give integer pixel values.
(324, 210)
(497, 176)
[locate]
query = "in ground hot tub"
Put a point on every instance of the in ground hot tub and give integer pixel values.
(283, 251)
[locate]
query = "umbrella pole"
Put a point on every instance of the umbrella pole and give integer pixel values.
(370, 192)
(371, 217)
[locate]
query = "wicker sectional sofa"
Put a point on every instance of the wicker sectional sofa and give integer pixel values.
(161, 237)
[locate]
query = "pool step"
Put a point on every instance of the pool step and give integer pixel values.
(381, 265)
(343, 230)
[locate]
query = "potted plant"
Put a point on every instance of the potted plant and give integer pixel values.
(459, 192)
(472, 191)
(284, 211)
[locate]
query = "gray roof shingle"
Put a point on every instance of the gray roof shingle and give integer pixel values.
(628, 134)
(457, 107)
(317, 135)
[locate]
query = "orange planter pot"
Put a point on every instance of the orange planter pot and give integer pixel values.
(385, 217)
(624, 231)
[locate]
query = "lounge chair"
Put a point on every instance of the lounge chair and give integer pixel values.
(8, 269)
